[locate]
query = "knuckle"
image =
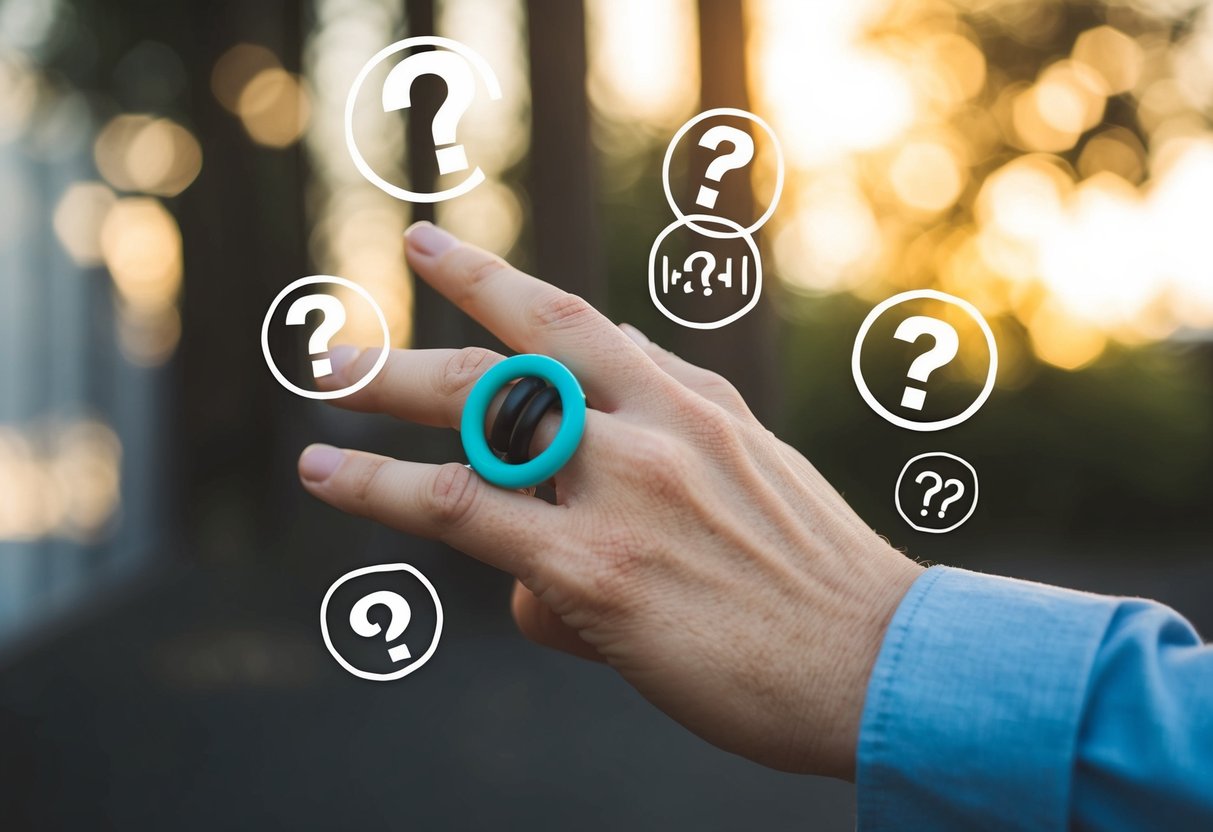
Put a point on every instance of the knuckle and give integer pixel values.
(366, 481)
(463, 368)
(659, 461)
(454, 495)
(482, 267)
(714, 428)
(362, 363)
(621, 563)
(562, 310)
(472, 267)
(359, 367)
(733, 399)
(720, 388)
(661, 356)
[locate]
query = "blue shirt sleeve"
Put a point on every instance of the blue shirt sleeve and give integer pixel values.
(999, 704)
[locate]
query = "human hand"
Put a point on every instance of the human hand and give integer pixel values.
(701, 557)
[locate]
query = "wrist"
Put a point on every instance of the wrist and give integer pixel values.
(863, 619)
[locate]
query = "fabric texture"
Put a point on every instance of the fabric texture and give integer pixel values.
(999, 704)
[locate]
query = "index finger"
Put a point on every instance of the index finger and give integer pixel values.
(530, 315)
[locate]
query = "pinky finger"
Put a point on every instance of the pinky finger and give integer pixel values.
(540, 624)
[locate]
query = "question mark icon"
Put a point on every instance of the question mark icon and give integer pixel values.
(334, 314)
(914, 505)
(956, 495)
(932, 491)
(332, 319)
(400, 613)
(460, 90)
(458, 66)
(947, 342)
(705, 274)
(738, 157)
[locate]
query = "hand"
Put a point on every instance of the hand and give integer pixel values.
(705, 560)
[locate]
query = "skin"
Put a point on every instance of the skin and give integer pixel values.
(705, 560)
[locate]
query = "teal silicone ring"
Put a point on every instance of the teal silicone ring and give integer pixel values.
(568, 437)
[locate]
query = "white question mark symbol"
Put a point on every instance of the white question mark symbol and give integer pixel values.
(946, 344)
(460, 90)
(333, 320)
(932, 491)
(738, 157)
(705, 274)
(401, 614)
(960, 490)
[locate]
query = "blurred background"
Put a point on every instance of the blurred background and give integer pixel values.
(167, 167)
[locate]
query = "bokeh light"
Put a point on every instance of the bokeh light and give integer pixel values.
(141, 247)
(274, 107)
(357, 230)
(78, 219)
(491, 216)
(927, 176)
(643, 60)
(60, 480)
(1115, 56)
(18, 94)
(235, 68)
(136, 152)
(1066, 185)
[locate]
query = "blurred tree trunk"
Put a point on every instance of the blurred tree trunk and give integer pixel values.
(743, 351)
(244, 238)
(436, 323)
(567, 240)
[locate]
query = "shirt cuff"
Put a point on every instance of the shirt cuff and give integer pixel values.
(974, 705)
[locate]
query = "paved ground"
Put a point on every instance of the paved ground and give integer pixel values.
(205, 700)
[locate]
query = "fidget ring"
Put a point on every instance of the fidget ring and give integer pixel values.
(502, 459)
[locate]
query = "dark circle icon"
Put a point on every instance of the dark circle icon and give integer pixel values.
(502, 459)
(373, 645)
(936, 492)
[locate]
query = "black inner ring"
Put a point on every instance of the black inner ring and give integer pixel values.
(511, 409)
(522, 410)
(528, 423)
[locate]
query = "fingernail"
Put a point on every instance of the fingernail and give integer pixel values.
(429, 239)
(318, 462)
(342, 356)
(635, 334)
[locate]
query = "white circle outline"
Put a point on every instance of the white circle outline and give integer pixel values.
(324, 394)
(686, 222)
(669, 154)
(897, 493)
(901, 421)
(407, 669)
(368, 173)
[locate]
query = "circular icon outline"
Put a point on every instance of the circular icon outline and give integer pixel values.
(958, 523)
(368, 173)
(669, 192)
(686, 221)
(324, 394)
(407, 669)
(916, 294)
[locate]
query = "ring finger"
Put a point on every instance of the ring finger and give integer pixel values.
(428, 387)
